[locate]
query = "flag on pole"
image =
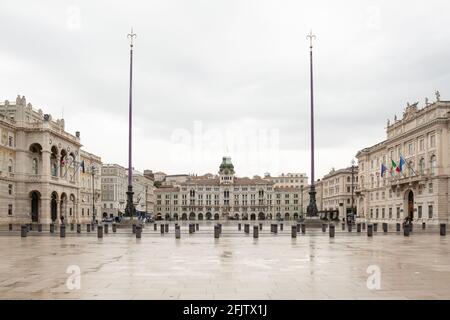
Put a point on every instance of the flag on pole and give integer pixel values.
(393, 166)
(383, 169)
(402, 162)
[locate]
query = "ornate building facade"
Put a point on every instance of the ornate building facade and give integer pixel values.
(40, 167)
(225, 196)
(421, 189)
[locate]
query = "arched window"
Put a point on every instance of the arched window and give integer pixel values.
(422, 166)
(35, 166)
(10, 166)
(433, 164)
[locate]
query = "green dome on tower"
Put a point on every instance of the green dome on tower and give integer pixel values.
(226, 166)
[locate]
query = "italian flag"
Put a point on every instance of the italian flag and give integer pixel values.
(394, 166)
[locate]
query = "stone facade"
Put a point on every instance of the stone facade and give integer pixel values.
(288, 180)
(225, 196)
(40, 167)
(421, 189)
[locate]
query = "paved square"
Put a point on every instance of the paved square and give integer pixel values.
(236, 266)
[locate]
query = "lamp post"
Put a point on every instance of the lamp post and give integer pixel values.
(312, 207)
(130, 209)
(301, 201)
(353, 179)
(93, 169)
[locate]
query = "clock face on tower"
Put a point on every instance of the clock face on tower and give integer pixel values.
(226, 171)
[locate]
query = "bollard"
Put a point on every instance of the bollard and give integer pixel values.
(197, 227)
(99, 231)
(190, 228)
(281, 227)
(220, 227)
(88, 227)
(177, 232)
(52, 228)
(358, 227)
(294, 231)
(275, 228)
(216, 232)
(155, 227)
(114, 228)
(134, 228)
(40, 227)
(406, 231)
(298, 227)
(23, 230)
(343, 226)
(255, 232)
(411, 227)
(324, 227)
(364, 226)
(303, 228)
(398, 226)
(72, 227)
(138, 231)
(385, 227)
(375, 227)
(260, 226)
(246, 228)
(10, 227)
(443, 229)
(106, 228)
(423, 226)
(78, 228)
(239, 226)
(62, 231)
(271, 227)
(161, 227)
(166, 228)
(332, 227)
(350, 227)
(92, 227)
(369, 230)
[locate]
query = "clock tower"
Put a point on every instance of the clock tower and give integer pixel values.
(226, 170)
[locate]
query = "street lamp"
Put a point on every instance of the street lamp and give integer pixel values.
(130, 209)
(353, 179)
(93, 171)
(301, 200)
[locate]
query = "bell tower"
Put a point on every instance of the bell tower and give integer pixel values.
(226, 170)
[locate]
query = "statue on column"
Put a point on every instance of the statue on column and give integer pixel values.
(438, 95)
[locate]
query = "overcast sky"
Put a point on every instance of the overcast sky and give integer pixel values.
(225, 77)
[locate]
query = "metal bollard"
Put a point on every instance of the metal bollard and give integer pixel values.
(99, 231)
(138, 231)
(358, 227)
(106, 228)
(72, 227)
(364, 226)
(443, 229)
(260, 226)
(134, 228)
(62, 231)
(40, 227)
(239, 226)
(375, 227)
(114, 228)
(220, 227)
(411, 227)
(216, 232)
(166, 228)
(275, 228)
(423, 225)
(406, 231)
(332, 227)
(10, 227)
(197, 227)
(190, 228)
(23, 230)
(161, 228)
(78, 228)
(343, 226)
(350, 227)
(246, 228)
(369, 230)
(255, 232)
(324, 227)
(88, 227)
(155, 227)
(177, 232)
(398, 226)
(294, 231)
(303, 228)
(52, 228)
(385, 227)
(298, 227)
(281, 227)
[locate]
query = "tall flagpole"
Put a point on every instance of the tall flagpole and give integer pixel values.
(130, 209)
(312, 207)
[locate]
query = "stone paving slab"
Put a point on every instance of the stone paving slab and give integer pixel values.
(311, 266)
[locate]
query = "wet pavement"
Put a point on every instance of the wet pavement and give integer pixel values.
(236, 266)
